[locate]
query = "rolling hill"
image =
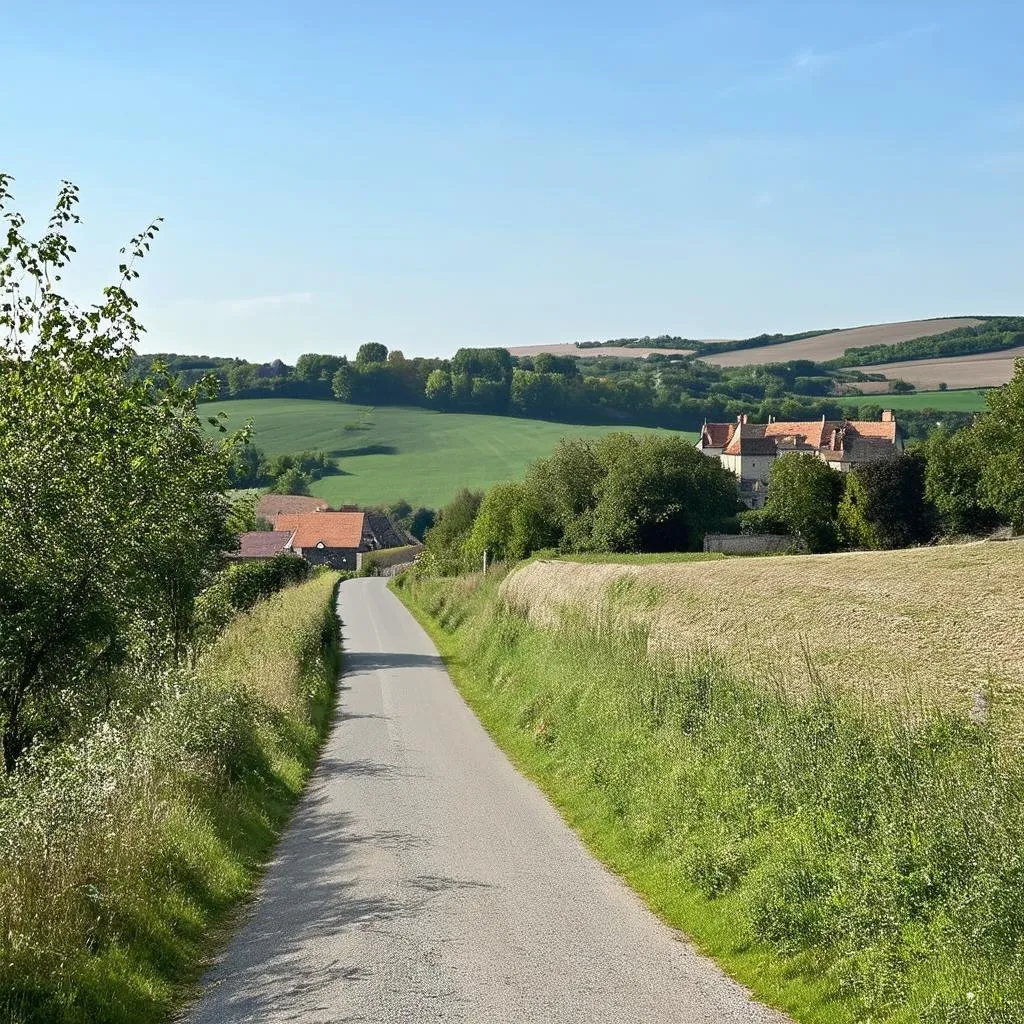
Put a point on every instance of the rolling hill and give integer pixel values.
(985, 369)
(386, 453)
(824, 347)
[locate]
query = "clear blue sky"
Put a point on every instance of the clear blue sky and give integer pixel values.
(437, 175)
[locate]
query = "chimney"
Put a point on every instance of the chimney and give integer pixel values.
(888, 416)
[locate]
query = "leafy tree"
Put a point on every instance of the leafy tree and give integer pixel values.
(421, 520)
(291, 481)
(313, 367)
(658, 494)
(371, 352)
(1000, 436)
(884, 504)
(803, 493)
(953, 481)
(439, 388)
(445, 541)
(509, 524)
(343, 383)
(112, 512)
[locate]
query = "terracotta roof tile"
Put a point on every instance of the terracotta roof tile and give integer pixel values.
(334, 529)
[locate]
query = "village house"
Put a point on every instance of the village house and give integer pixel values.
(748, 450)
(328, 538)
(264, 543)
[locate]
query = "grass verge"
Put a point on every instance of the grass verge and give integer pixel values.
(123, 855)
(843, 862)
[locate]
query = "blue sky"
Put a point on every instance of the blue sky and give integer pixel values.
(438, 175)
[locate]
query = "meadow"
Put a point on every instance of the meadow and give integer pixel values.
(968, 400)
(386, 453)
(939, 625)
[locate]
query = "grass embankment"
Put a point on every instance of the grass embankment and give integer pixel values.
(844, 860)
(387, 453)
(122, 856)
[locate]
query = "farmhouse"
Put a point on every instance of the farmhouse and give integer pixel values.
(749, 450)
(328, 538)
(264, 543)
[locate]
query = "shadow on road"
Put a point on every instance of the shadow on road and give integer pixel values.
(367, 661)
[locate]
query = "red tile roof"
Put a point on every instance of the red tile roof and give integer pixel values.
(263, 543)
(273, 505)
(333, 529)
(859, 439)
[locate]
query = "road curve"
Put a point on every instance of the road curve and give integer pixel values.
(423, 879)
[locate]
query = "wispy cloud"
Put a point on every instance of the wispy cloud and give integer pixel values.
(254, 303)
(809, 63)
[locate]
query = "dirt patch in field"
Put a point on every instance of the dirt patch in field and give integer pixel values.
(988, 369)
(937, 625)
(621, 351)
(824, 347)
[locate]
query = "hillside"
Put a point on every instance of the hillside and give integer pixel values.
(987, 369)
(621, 351)
(824, 347)
(938, 623)
(392, 452)
(967, 400)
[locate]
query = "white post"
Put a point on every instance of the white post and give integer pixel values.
(485, 561)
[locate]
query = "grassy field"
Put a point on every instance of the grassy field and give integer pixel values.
(847, 858)
(971, 400)
(824, 347)
(387, 453)
(940, 625)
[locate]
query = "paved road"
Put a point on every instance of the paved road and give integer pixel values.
(423, 879)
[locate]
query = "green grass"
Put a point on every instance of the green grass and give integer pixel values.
(386, 453)
(967, 400)
(845, 863)
(123, 859)
(604, 557)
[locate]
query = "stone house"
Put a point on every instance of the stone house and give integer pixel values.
(328, 538)
(749, 450)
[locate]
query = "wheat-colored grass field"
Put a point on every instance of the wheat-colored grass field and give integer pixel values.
(823, 347)
(982, 370)
(622, 351)
(938, 625)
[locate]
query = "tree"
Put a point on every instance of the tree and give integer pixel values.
(884, 504)
(953, 481)
(343, 383)
(1000, 436)
(439, 388)
(803, 493)
(313, 367)
(658, 494)
(291, 481)
(112, 507)
(509, 524)
(445, 541)
(371, 352)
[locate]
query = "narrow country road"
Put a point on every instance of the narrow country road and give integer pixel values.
(423, 879)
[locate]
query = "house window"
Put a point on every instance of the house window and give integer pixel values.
(320, 545)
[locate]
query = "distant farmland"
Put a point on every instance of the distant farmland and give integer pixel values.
(987, 369)
(824, 347)
(622, 351)
(387, 453)
(940, 401)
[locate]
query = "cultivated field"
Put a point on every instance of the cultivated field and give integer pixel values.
(592, 353)
(824, 347)
(934, 624)
(987, 369)
(941, 401)
(388, 453)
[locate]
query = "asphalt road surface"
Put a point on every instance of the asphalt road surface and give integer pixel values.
(423, 879)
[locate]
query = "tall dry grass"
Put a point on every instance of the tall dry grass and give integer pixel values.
(119, 851)
(938, 626)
